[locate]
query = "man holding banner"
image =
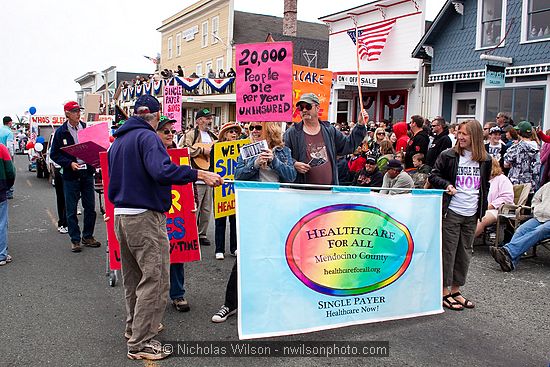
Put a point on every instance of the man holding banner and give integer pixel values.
(315, 143)
(141, 175)
(200, 141)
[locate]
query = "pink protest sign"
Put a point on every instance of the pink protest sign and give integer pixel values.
(172, 104)
(98, 133)
(264, 81)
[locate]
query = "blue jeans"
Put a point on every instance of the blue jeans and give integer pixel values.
(177, 278)
(83, 187)
(3, 230)
(527, 235)
(220, 225)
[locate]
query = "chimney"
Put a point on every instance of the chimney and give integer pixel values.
(290, 18)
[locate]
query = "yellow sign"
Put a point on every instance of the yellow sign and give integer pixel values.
(225, 163)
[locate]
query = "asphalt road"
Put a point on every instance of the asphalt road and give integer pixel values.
(56, 307)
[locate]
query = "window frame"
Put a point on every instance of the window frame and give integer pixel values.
(170, 47)
(219, 62)
(198, 69)
(479, 26)
(178, 44)
(204, 34)
(215, 30)
(513, 87)
(524, 37)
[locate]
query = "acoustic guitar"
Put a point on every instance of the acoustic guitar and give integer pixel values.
(202, 161)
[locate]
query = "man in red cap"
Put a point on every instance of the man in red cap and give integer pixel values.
(78, 179)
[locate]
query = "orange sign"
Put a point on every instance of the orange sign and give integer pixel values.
(311, 80)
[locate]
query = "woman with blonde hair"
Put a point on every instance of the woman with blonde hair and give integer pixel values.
(379, 137)
(274, 164)
(464, 172)
(501, 192)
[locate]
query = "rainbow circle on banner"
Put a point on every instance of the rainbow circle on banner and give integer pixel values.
(348, 249)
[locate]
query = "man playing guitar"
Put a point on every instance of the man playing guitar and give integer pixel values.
(199, 141)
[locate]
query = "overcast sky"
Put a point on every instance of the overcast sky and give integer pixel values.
(46, 45)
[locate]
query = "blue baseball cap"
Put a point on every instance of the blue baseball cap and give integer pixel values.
(148, 101)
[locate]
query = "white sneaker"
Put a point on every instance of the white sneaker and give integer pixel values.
(219, 256)
(63, 229)
(79, 212)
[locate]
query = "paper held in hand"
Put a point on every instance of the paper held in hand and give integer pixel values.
(253, 149)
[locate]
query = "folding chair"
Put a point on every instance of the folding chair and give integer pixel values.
(512, 215)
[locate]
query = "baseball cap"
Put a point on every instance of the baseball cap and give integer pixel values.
(6, 119)
(148, 101)
(205, 112)
(308, 98)
(370, 160)
(395, 164)
(71, 105)
(495, 130)
(163, 121)
(524, 127)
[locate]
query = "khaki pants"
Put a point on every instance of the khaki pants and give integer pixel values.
(458, 238)
(204, 212)
(145, 258)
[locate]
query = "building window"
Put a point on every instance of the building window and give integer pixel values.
(538, 19)
(491, 20)
(342, 111)
(215, 29)
(394, 105)
(204, 34)
(199, 69)
(207, 67)
(178, 44)
(522, 103)
(217, 116)
(219, 64)
(170, 45)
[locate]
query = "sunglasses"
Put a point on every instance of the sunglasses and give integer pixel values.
(166, 132)
(305, 106)
(233, 131)
(380, 133)
(256, 127)
(435, 125)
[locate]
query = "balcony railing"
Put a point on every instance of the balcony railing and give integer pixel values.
(190, 87)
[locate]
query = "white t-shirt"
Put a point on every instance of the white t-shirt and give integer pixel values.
(494, 150)
(468, 183)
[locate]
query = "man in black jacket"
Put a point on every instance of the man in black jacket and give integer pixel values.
(441, 140)
(419, 142)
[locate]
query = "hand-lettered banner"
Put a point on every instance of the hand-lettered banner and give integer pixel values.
(225, 162)
(264, 81)
(311, 80)
(181, 223)
(172, 104)
(346, 258)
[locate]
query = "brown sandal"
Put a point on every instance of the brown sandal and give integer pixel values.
(467, 303)
(452, 305)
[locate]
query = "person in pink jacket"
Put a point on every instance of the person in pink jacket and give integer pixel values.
(501, 192)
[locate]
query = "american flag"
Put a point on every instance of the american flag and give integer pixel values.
(152, 59)
(372, 39)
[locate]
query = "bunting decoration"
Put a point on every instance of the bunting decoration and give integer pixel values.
(157, 87)
(125, 93)
(139, 90)
(219, 85)
(147, 87)
(132, 92)
(188, 84)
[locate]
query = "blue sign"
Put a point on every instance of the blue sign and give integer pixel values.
(495, 76)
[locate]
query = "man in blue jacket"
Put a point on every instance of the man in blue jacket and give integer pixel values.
(315, 144)
(78, 179)
(141, 175)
